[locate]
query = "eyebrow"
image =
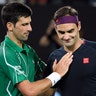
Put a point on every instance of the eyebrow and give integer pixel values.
(25, 23)
(62, 32)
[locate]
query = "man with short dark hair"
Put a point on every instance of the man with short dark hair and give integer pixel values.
(19, 63)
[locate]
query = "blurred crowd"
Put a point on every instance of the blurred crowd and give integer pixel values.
(55, 2)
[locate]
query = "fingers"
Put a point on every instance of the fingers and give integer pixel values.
(67, 57)
(63, 65)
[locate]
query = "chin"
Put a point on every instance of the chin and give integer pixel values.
(68, 45)
(25, 39)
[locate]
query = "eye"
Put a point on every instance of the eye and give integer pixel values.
(70, 31)
(61, 32)
(25, 24)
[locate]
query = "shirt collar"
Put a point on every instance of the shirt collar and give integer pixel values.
(15, 46)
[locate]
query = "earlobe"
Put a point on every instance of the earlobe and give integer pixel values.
(55, 27)
(9, 26)
(79, 25)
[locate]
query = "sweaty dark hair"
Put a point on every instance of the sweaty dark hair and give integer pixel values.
(63, 11)
(13, 11)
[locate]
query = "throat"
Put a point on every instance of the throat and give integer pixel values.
(19, 44)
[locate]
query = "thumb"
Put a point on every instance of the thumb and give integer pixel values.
(54, 64)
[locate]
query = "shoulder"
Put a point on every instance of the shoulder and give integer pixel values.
(1, 49)
(90, 43)
(58, 53)
(87, 50)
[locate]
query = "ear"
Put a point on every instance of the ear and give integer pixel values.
(55, 27)
(9, 26)
(79, 25)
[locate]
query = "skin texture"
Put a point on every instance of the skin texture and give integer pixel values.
(69, 35)
(20, 31)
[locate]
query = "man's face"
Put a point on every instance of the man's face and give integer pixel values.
(68, 33)
(22, 29)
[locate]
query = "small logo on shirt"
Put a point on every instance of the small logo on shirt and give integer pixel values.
(85, 60)
(18, 70)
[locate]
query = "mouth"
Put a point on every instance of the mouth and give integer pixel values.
(67, 41)
(26, 34)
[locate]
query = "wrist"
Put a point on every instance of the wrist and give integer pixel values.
(54, 77)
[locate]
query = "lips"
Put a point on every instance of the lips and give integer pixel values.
(27, 34)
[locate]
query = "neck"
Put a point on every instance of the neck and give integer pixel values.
(16, 41)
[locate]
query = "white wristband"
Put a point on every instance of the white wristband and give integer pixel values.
(54, 77)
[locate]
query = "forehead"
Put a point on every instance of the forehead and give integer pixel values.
(65, 27)
(24, 19)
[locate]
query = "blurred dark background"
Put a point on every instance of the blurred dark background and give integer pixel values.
(43, 11)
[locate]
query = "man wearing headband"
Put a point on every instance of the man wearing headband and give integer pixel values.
(81, 77)
(19, 63)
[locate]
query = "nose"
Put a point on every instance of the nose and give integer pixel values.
(29, 28)
(66, 36)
